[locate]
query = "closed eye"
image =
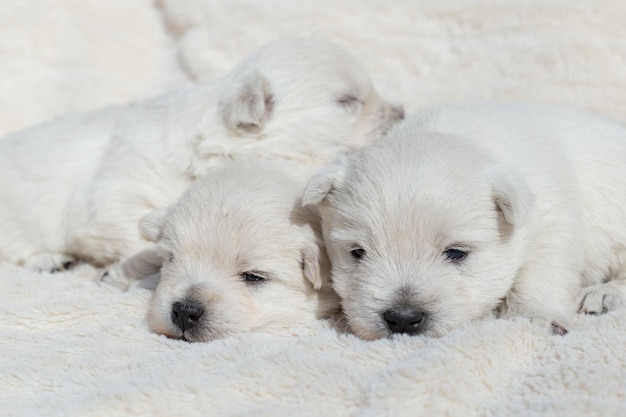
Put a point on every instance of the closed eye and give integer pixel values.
(348, 100)
(251, 277)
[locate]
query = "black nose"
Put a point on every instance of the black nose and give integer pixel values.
(404, 320)
(186, 315)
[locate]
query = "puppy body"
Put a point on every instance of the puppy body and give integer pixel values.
(76, 187)
(467, 209)
(240, 254)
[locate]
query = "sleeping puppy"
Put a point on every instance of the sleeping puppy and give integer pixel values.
(467, 210)
(240, 254)
(75, 188)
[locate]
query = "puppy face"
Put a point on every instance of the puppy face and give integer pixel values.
(239, 255)
(301, 99)
(421, 230)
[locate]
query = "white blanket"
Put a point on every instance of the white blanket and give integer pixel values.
(72, 347)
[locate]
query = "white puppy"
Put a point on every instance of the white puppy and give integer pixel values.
(76, 187)
(240, 254)
(467, 209)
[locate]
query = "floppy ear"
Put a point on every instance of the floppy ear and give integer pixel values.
(315, 265)
(324, 181)
(248, 103)
(511, 194)
(151, 225)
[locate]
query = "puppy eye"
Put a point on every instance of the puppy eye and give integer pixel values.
(252, 277)
(170, 259)
(348, 100)
(454, 255)
(357, 253)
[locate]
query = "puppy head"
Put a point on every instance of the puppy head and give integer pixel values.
(240, 254)
(423, 232)
(301, 99)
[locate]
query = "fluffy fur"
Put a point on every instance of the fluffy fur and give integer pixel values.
(240, 254)
(465, 210)
(76, 187)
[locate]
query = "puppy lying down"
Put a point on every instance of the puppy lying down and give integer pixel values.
(75, 188)
(465, 210)
(239, 254)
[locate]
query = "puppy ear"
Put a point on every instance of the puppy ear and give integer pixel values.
(511, 194)
(324, 181)
(315, 265)
(151, 225)
(248, 103)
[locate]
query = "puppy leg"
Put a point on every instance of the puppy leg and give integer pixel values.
(145, 265)
(602, 298)
(546, 294)
(49, 262)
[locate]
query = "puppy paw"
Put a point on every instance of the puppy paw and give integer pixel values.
(116, 277)
(339, 321)
(555, 327)
(49, 262)
(558, 329)
(602, 298)
(555, 324)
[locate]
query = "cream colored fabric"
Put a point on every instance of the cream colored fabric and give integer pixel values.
(72, 347)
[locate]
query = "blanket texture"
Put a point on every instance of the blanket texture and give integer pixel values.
(70, 346)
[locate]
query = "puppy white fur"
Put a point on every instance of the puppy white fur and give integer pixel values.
(241, 254)
(76, 187)
(465, 210)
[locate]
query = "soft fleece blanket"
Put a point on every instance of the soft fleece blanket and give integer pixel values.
(70, 346)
